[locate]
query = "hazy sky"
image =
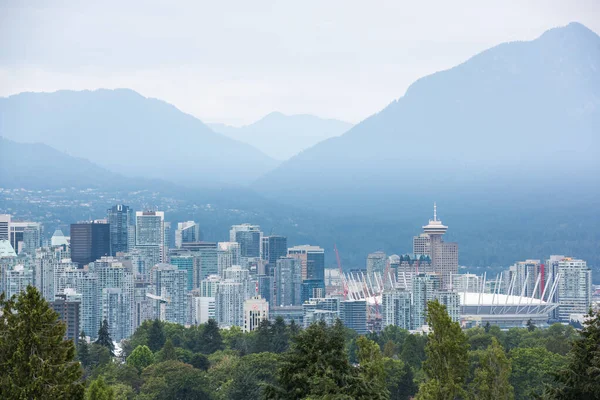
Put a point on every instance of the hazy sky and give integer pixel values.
(234, 62)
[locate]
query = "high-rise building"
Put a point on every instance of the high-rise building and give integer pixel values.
(187, 232)
(143, 305)
(6, 250)
(90, 311)
(59, 239)
(16, 280)
(451, 300)
(117, 306)
(150, 234)
(186, 262)
(527, 273)
(120, 219)
(266, 288)
(4, 226)
(376, 263)
(256, 309)
(201, 309)
(353, 314)
(312, 259)
(424, 287)
(89, 242)
(312, 288)
(229, 303)
(410, 265)
(68, 312)
(273, 248)
(574, 288)
(396, 308)
(171, 284)
(250, 238)
(207, 255)
(321, 309)
(288, 282)
(444, 255)
(208, 286)
(228, 255)
(25, 237)
(469, 283)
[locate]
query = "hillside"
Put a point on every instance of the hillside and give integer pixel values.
(282, 136)
(515, 121)
(135, 136)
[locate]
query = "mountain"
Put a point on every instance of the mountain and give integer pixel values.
(516, 124)
(283, 136)
(127, 133)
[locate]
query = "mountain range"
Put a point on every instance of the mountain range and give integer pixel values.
(135, 136)
(282, 136)
(507, 144)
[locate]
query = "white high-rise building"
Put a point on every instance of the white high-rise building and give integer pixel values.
(228, 255)
(396, 308)
(25, 237)
(574, 288)
(114, 274)
(229, 303)
(288, 282)
(187, 232)
(16, 280)
(527, 273)
(150, 236)
(444, 255)
(208, 286)
(250, 239)
(376, 264)
(171, 286)
(256, 309)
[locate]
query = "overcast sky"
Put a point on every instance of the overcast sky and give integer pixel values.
(234, 62)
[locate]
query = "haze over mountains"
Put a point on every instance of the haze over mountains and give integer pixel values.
(132, 135)
(282, 136)
(513, 122)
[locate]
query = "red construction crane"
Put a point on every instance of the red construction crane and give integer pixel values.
(342, 278)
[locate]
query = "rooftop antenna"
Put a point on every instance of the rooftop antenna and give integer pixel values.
(434, 212)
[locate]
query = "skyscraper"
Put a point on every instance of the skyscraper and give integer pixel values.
(171, 284)
(353, 314)
(229, 303)
(25, 237)
(4, 226)
(150, 236)
(312, 259)
(444, 256)
(187, 232)
(256, 309)
(574, 288)
(228, 255)
(273, 248)
(116, 304)
(527, 273)
(68, 310)
(89, 242)
(288, 282)
(120, 218)
(424, 287)
(249, 237)
(376, 263)
(396, 308)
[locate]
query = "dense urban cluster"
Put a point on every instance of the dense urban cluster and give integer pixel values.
(122, 269)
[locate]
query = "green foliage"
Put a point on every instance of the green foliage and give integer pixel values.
(156, 336)
(104, 338)
(35, 361)
(173, 380)
(140, 358)
(83, 351)
(250, 376)
(580, 378)
(531, 370)
(491, 380)
(167, 352)
(99, 390)
(98, 356)
(413, 351)
(211, 339)
(447, 362)
(371, 366)
(200, 361)
(399, 379)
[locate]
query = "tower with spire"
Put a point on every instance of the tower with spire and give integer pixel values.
(444, 255)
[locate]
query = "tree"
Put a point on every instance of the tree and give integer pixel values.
(447, 362)
(316, 366)
(156, 336)
(531, 370)
(99, 390)
(211, 337)
(250, 376)
(140, 358)
(200, 361)
(167, 352)
(389, 349)
(173, 380)
(264, 337)
(372, 367)
(280, 336)
(399, 379)
(530, 325)
(293, 328)
(104, 338)
(413, 351)
(492, 376)
(35, 361)
(83, 351)
(580, 377)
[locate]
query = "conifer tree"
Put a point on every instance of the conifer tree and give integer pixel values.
(211, 337)
(156, 336)
(35, 361)
(83, 351)
(168, 351)
(447, 362)
(104, 338)
(580, 379)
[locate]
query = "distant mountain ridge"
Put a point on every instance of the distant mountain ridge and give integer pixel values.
(282, 136)
(511, 119)
(130, 134)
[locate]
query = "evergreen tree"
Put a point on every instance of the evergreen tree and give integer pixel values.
(399, 379)
(491, 377)
(447, 362)
(99, 390)
(35, 361)
(294, 329)
(200, 361)
(530, 325)
(264, 337)
(83, 351)
(372, 367)
(580, 379)
(104, 338)
(280, 337)
(168, 352)
(211, 337)
(156, 336)
(413, 351)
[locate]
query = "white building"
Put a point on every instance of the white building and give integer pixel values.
(150, 236)
(229, 303)
(171, 285)
(256, 309)
(574, 288)
(228, 255)
(187, 232)
(396, 308)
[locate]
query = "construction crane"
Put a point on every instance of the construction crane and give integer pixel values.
(342, 277)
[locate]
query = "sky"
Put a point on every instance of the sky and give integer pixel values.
(236, 61)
